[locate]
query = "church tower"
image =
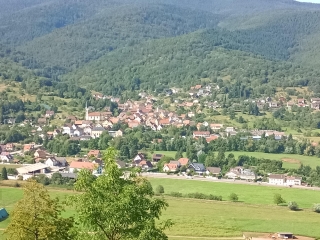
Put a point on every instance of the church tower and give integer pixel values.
(87, 112)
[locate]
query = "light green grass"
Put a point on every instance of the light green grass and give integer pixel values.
(171, 154)
(306, 160)
(201, 218)
(9, 166)
(249, 194)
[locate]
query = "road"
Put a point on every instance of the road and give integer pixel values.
(230, 181)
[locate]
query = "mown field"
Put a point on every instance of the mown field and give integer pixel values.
(9, 166)
(289, 160)
(255, 211)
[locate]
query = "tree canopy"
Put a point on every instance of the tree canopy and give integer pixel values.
(116, 207)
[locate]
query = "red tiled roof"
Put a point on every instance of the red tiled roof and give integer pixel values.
(82, 165)
(183, 161)
(94, 114)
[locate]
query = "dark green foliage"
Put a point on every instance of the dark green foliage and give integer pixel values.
(175, 194)
(233, 197)
(277, 199)
(293, 206)
(4, 174)
(316, 208)
(196, 196)
(159, 190)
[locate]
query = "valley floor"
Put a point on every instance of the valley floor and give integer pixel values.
(218, 220)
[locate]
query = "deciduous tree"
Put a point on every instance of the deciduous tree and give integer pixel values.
(38, 217)
(114, 207)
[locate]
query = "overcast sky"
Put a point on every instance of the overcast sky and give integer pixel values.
(313, 1)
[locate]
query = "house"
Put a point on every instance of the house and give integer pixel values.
(183, 161)
(198, 168)
(172, 166)
(216, 127)
(9, 147)
(214, 171)
(28, 147)
(230, 129)
(6, 157)
(198, 134)
(56, 162)
(291, 181)
(133, 124)
(114, 134)
(97, 131)
(145, 165)
(66, 129)
(94, 153)
(49, 114)
(40, 154)
(212, 138)
(77, 166)
(94, 116)
(139, 157)
(156, 157)
(240, 172)
(273, 104)
(277, 179)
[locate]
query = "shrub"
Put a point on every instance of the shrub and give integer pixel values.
(277, 199)
(159, 189)
(16, 184)
(215, 198)
(20, 178)
(233, 197)
(316, 208)
(293, 206)
(175, 194)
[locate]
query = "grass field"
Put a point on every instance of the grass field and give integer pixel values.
(289, 160)
(201, 218)
(166, 153)
(9, 166)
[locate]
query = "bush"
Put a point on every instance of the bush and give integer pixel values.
(196, 195)
(215, 198)
(159, 189)
(277, 199)
(20, 178)
(316, 208)
(175, 194)
(293, 206)
(233, 197)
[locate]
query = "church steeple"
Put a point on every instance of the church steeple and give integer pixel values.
(87, 111)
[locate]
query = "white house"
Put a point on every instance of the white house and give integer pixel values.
(56, 162)
(293, 181)
(277, 179)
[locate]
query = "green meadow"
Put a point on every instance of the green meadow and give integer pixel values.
(196, 219)
(289, 160)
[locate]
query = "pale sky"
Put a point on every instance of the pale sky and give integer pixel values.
(312, 1)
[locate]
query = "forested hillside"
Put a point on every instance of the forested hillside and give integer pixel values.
(149, 44)
(184, 60)
(83, 42)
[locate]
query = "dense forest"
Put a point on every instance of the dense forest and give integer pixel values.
(112, 46)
